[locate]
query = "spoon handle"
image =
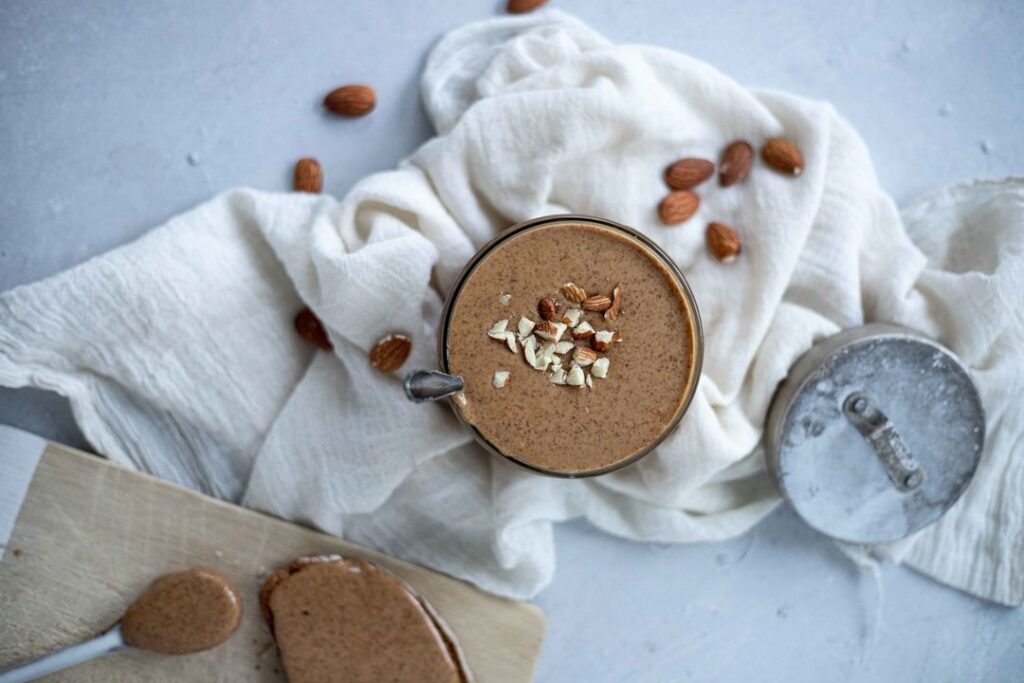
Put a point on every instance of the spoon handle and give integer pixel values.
(430, 385)
(105, 643)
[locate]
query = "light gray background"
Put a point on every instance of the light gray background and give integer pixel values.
(115, 116)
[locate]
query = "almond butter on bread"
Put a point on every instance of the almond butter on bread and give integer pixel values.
(330, 614)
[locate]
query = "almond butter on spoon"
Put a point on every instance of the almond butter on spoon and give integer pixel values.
(180, 613)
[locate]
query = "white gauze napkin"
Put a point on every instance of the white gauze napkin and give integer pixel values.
(178, 355)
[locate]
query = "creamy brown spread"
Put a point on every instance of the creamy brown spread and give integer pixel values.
(349, 620)
(557, 428)
(184, 612)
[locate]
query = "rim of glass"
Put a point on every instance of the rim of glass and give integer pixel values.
(670, 266)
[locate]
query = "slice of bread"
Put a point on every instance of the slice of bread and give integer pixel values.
(351, 620)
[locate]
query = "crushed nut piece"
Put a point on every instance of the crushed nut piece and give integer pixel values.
(583, 331)
(572, 317)
(563, 347)
(616, 307)
(550, 331)
(590, 382)
(597, 303)
(600, 369)
(510, 339)
(575, 377)
(500, 378)
(557, 376)
(497, 331)
(584, 356)
(573, 293)
(602, 340)
(505, 299)
(547, 308)
(525, 327)
(530, 350)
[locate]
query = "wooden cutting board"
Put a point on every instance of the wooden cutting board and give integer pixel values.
(92, 535)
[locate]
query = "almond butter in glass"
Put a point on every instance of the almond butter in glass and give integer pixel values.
(593, 389)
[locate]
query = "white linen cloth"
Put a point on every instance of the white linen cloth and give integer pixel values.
(178, 355)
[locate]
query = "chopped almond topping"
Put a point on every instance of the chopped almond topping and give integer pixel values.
(500, 379)
(600, 369)
(583, 331)
(584, 356)
(497, 331)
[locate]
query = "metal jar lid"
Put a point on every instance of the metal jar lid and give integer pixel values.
(875, 433)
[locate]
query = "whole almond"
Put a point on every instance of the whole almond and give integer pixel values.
(613, 312)
(783, 156)
(547, 308)
(523, 6)
(351, 100)
(723, 242)
(597, 303)
(573, 293)
(390, 353)
(735, 163)
(309, 177)
(312, 330)
(687, 173)
(678, 207)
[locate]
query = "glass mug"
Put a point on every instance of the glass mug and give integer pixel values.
(609, 424)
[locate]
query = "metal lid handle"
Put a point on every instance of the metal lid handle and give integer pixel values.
(864, 414)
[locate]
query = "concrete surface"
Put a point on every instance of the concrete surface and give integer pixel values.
(115, 115)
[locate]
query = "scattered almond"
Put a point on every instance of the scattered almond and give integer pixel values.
(391, 352)
(523, 6)
(309, 177)
(573, 293)
(557, 376)
(564, 347)
(547, 308)
(504, 299)
(590, 382)
(597, 303)
(500, 378)
(678, 207)
(550, 331)
(723, 242)
(613, 312)
(312, 330)
(602, 340)
(525, 327)
(600, 369)
(510, 341)
(783, 156)
(530, 350)
(351, 100)
(575, 376)
(687, 173)
(584, 356)
(735, 163)
(497, 330)
(572, 317)
(583, 331)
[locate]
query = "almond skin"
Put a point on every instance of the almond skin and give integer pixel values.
(523, 6)
(312, 330)
(783, 156)
(573, 293)
(309, 176)
(735, 163)
(678, 207)
(597, 303)
(351, 100)
(547, 308)
(613, 312)
(391, 352)
(723, 242)
(687, 173)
